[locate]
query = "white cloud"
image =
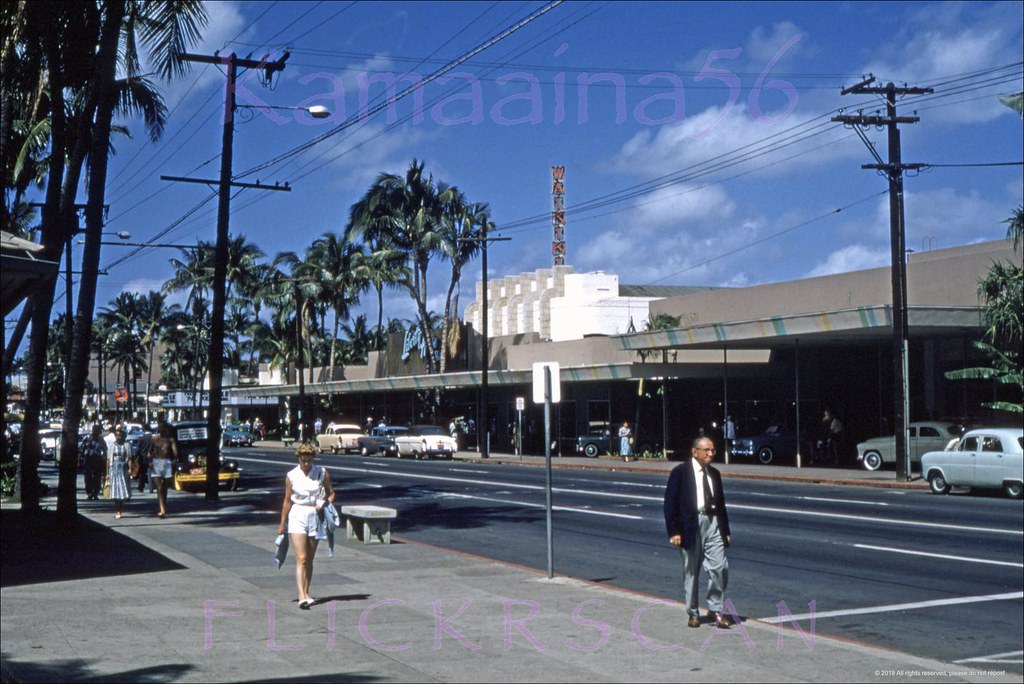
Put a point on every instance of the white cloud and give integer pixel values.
(948, 41)
(851, 258)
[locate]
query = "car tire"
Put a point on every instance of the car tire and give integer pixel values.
(937, 483)
(765, 455)
(1013, 489)
(872, 461)
(590, 450)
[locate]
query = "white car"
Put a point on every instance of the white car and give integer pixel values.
(343, 437)
(424, 441)
(986, 457)
(924, 436)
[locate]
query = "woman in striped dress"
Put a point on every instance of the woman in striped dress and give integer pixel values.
(117, 466)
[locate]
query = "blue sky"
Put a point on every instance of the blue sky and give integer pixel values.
(678, 99)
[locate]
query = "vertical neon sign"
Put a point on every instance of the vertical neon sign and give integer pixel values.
(558, 215)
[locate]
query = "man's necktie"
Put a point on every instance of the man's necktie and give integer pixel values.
(709, 498)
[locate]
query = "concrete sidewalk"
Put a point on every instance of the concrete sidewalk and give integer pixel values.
(196, 597)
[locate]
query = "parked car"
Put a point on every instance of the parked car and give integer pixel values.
(923, 436)
(339, 437)
(986, 457)
(190, 467)
(237, 436)
(424, 441)
(381, 440)
(595, 443)
(774, 442)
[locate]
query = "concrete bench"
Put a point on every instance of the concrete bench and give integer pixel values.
(376, 523)
(288, 441)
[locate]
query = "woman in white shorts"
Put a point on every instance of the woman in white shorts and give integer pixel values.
(307, 488)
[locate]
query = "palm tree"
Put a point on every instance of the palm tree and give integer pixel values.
(660, 321)
(464, 225)
(192, 272)
(409, 211)
(337, 266)
(154, 315)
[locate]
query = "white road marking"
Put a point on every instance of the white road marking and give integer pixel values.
(995, 658)
(820, 498)
(527, 504)
(468, 470)
(939, 555)
(893, 607)
(659, 499)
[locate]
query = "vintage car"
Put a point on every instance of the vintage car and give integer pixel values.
(774, 442)
(923, 436)
(381, 440)
(339, 438)
(985, 458)
(237, 436)
(424, 441)
(595, 443)
(190, 466)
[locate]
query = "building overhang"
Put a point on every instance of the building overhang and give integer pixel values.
(467, 380)
(22, 270)
(842, 326)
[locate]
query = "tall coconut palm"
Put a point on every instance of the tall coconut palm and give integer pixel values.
(154, 316)
(408, 210)
(342, 276)
(464, 225)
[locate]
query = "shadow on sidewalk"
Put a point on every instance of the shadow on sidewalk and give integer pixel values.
(78, 670)
(36, 550)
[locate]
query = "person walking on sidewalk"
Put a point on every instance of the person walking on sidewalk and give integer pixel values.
(141, 456)
(163, 452)
(307, 489)
(117, 465)
(698, 525)
(94, 458)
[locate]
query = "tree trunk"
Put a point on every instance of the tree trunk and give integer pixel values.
(42, 300)
(98, 156)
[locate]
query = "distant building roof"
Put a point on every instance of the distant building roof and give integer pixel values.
(661, 290)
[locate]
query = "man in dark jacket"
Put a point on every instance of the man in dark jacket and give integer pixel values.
(698, 525)
(141, 455)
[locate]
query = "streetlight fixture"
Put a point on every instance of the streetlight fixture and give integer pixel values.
(315, 111)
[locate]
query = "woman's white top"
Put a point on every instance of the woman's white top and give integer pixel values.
(307, 489)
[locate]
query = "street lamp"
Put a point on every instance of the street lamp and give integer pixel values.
(316, 111)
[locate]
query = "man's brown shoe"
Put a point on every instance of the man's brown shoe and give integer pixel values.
(694, 621)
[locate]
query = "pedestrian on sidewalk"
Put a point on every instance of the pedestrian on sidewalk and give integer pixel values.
(307, 489)
(94, 456)
(117, 464)
(141, 456)
(698, 525)
(625, 441)
(163, 452)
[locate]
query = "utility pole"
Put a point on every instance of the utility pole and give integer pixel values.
(224, 184)
(898, 242)
(483, 429)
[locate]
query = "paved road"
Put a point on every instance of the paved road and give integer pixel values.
(934, 576)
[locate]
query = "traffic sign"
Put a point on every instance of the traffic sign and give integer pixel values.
(538, 382)
(121, 395)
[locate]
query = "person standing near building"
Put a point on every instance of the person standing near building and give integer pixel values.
(94, 458)
(625, 441)
(697, 523)
(318, 425)
(729, 433)
(163, 452)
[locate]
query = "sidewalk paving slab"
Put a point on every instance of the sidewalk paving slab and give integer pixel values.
(197, 597)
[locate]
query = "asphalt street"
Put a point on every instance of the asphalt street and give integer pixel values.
(933, 576)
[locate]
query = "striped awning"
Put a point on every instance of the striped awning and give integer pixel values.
(847, 324)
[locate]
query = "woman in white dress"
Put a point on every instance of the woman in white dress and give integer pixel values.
(117, 465)
(307, 489)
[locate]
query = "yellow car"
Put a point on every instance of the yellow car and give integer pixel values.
(190, 468)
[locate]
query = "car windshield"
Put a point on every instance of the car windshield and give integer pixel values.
(430, 430)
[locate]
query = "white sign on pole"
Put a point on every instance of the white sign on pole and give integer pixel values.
(520, 403)
(538, 382)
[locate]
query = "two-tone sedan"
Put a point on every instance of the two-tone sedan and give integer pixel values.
(922, 437)
(425, 441)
